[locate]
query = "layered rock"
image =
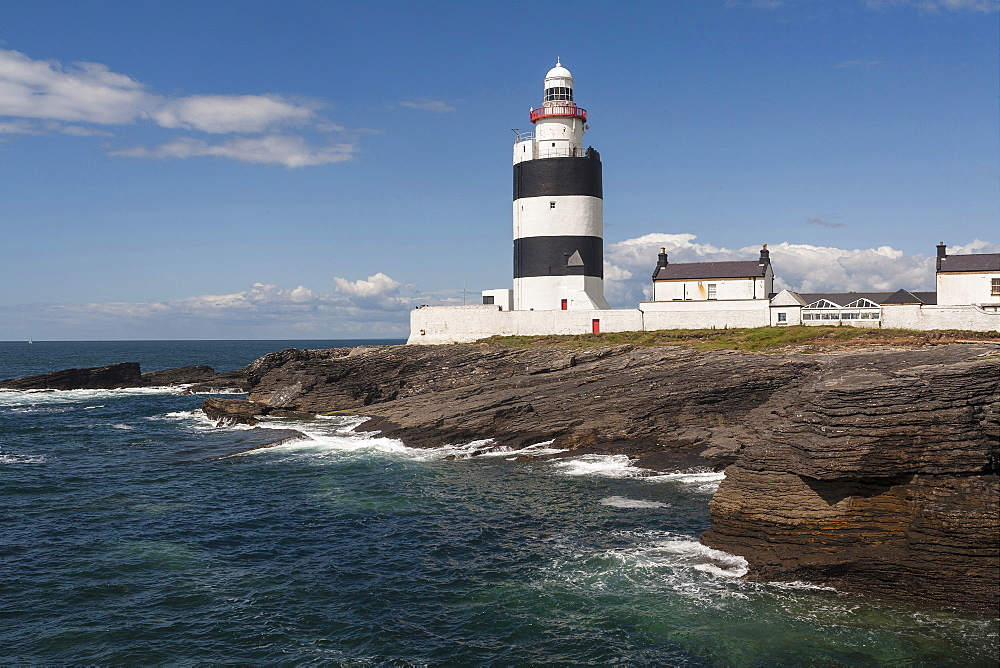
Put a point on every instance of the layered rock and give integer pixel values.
(874, 471)
(882, 479)
(112, 376)
(203, 379)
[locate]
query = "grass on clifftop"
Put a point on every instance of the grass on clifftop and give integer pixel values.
(755, 339)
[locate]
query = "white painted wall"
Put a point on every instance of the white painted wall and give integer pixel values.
(793, 315)
(966, 288)
(545, 293)
(503, 298)
(524, 150)
(706, 314)
(462, 324)
(914, 316)
(725, 288)
(573, 215)
(558, 132)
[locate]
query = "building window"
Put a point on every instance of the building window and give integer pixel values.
(711, 291)
(782, 317)
(552, 205)
(487, 299)
(995, 287)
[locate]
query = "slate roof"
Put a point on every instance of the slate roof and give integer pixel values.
(897, 297)
(974, 262)
(703, 270)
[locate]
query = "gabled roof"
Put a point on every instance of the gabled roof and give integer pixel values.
(703, 270)
(787, 298)
(975, 262)
(843, 299)
(902, 297)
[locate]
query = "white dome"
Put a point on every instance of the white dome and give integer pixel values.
(558, 72)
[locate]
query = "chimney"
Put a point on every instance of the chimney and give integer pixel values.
(661, 262)
(942, 254)
(765, 255)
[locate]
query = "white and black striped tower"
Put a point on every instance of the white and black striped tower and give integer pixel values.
(558, 207)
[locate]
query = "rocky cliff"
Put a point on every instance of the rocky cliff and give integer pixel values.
(874, 470)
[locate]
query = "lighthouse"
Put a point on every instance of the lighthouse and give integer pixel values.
(558, 207)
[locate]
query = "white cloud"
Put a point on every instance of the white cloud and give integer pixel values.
(287, 150)
(373, 307)
(931, 6)
(378, 291)
(40, 97)
(427, 104)
(230, 113)
(376, 286)
(803, 267)
(81, 92)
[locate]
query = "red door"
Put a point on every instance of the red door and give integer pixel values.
(564, 304)
(595, 326)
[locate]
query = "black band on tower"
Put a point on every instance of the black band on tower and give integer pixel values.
(559, 176)
(557, 256)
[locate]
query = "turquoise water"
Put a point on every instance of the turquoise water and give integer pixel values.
(121, 543)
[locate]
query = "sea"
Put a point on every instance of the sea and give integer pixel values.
(125, 538)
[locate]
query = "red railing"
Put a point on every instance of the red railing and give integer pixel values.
(570, 110)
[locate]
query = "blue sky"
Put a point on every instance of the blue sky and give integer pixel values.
(314, 169)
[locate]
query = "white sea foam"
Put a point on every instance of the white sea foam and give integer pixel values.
(38, 398)
(607, 466)
(704, 482)
(13, 458)
(658, 561)
(625, 502)
(122, 426)
(332, 434)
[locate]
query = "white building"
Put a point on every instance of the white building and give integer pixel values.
(710, 281)
(968, 279)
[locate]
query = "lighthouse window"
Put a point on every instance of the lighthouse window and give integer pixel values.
(558, 93)
(552, 205)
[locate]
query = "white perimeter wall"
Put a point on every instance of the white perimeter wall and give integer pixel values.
(941, 317)
(461, 324)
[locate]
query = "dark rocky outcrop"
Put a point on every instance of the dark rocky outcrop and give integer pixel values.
(128, 374)
(874, 470)
(112, 376)
(179, 376)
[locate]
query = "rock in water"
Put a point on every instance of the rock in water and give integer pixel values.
(180, 376)
(113, 376)
(228, 412)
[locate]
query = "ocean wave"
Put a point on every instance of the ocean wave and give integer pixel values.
(13, 458)
(625, 502)
(659, 561)
(607, 466)
(44, 398)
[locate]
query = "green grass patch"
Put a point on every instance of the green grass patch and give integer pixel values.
(750, 340)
